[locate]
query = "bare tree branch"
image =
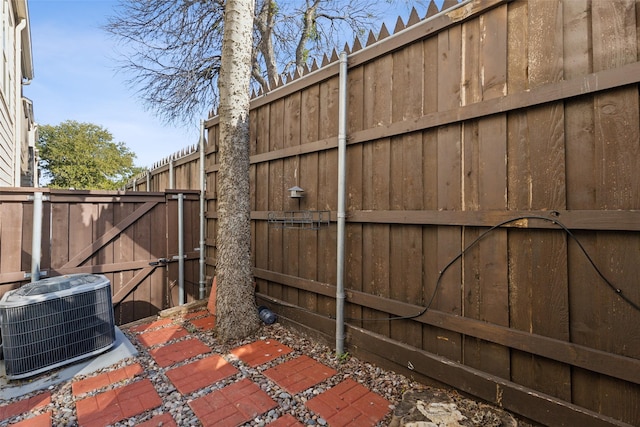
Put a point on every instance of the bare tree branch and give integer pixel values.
(171, 49)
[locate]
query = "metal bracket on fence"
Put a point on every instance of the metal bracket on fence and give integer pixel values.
(307, 220)
(44, 198)
(42, 273)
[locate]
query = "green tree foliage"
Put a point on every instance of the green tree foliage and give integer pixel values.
(83, 156)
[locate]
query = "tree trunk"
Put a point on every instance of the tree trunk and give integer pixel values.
(236, 310)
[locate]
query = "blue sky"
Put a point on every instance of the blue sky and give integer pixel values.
(76, 79)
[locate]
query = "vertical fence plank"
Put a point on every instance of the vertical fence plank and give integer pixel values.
(581, 191)
(141, 296)
(291, 238)
(327, 190)
(262, 185)
(540, 259)
(27, 237)
(616, 113)
(276, 193)
(430, 267)
(158, 224)
(12, 222)
(354, 249)
(45, 248)
(59, 239)
(309, 131)
(376, 178)
(376, 236)
(485, 181)
(406, 263)
(125, 251)
(449, 188)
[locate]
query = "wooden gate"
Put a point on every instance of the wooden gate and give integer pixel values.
(131, 238)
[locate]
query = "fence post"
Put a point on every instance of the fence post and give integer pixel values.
(203, 189)
(342, 154)
(181, 249)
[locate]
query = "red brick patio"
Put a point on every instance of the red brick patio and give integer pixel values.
(191, 365)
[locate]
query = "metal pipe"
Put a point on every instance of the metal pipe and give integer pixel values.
(17, 153)
(148, 180)
(36, 240)
(181, 249)
(203, 201)
(342, 155)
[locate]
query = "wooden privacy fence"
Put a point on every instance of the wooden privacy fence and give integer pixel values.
(523, 112)
(122, 236)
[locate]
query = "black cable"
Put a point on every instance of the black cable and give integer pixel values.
(555, 221)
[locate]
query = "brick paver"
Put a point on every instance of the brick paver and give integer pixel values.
(349, 403)
(287, 420)
(42, 420)
(299, 374)
(260, 352)
(177, 352)
(164, 420)
(25, 405)
(161, 336)
(102, 380)
(152, 325)
(201, 373)
(205, 323)
(232, 405)
(117, 404)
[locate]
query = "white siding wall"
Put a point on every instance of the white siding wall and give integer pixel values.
(11, 75)
(7, 67)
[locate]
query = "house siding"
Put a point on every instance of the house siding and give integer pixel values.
(15, 66)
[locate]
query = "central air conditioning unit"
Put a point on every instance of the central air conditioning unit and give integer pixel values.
(55, 321)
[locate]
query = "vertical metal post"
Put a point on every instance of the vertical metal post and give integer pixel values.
(148, 180)
(203, 201)
(36, 242)
(342, 154)
(17, 154)
(181, 299)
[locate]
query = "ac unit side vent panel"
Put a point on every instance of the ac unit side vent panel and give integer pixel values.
(43, 330)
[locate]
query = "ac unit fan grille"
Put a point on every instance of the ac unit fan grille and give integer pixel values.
(46, 334)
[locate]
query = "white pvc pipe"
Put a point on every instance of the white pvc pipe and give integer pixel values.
(181, 249)
(17, 156)
(203, 189)
(342, 155)
(36, 240)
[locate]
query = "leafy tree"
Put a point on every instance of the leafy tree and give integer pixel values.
(236, 310)
(172, 49)
(83, 156)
